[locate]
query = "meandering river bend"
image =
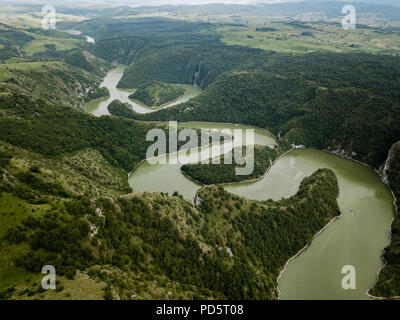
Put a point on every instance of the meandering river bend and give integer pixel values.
(357, 238)
(99, 107)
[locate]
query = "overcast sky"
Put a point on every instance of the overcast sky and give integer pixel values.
(145, 2)
(166, 2)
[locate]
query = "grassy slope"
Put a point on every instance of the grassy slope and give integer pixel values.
(38, 45)
(71, 82)
(88, 62)
(55, 81)
(75, 171)
(31, 42)
(84, 173)
(167, 238)
(30, 17)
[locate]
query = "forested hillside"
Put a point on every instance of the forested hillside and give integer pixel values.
(88, 62)
(247, 97)
(53, 131)
(156, 93)
(43, 185)
(121, 246)
(197, 64)
(55, 82)
(356, 122)
(210, 174)
(388, 284)
(64, 193)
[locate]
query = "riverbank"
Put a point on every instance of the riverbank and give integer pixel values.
(333, 220)
(302, 250)
(99, 107)
(239, 182)
(147, 178)
(385, 182)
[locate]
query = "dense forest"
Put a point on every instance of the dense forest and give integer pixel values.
(388, 284)
(364, 125)
(88, 62)
(54, 131)
(156, 93)
(346, 103)
(119, 109)
(198, 64)
(63, 172)
(55, 82)
(217, 249)
(209, 174)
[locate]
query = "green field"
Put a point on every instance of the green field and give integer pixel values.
(4, 74)
(13, 211)
(156, 93)
(6, 69)
(30, 19)
(38, 45)
(309, 37)
(31, 65)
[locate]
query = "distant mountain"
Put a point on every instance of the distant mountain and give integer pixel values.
(138, 3)
(377, 2)
(389, 9)
(332, 9)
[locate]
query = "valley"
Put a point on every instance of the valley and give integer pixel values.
(364, 200)
(77, 192)
(99, 107)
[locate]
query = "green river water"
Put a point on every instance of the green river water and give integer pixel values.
(357, 238)
(99, 107)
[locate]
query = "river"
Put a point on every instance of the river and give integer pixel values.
(357, 238)
(99, 107)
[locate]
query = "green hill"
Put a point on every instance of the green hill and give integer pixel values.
(353, 121)
(54, 131)
(56, 82)
(197, 64)
(210, 174)
(64, 194)
(88, 62)
(63, 168)
(121, 245)
(156, 93)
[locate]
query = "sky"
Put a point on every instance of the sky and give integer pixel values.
(174, 2)
(146, 2)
